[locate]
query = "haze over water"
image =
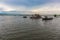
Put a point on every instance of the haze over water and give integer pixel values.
(18, 28)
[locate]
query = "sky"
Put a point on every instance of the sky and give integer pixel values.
(41, 6)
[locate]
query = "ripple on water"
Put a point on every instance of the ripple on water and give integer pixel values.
(18, 28)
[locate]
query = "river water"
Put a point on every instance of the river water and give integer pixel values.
(19, 28)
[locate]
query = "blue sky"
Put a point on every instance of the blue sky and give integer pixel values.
(34, 5)
(28, 3)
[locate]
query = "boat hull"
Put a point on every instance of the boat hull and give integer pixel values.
(35, 17)
(47, 18)
(24, 16)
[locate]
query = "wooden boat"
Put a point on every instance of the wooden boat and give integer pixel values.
(46, 18)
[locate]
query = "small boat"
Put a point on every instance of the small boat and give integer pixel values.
(55, 15)
(46, 18)
(24, 16)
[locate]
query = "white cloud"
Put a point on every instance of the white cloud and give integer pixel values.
(48, 8)
(5, 7)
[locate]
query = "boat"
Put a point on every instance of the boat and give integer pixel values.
(46, 18)
(35, 16)
(24, 16)
(55, 15)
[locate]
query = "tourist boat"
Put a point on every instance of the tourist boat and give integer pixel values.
(35, 16)
(46, 18)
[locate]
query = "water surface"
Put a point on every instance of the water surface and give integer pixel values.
(18, 28)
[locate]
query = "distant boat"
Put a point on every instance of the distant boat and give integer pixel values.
(35, 16)
(55, 15)
(46, 18)
(24, 16)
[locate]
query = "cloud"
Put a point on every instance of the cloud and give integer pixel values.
(42, 6)
(48, 8)
(4, 7)
(28, 3)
